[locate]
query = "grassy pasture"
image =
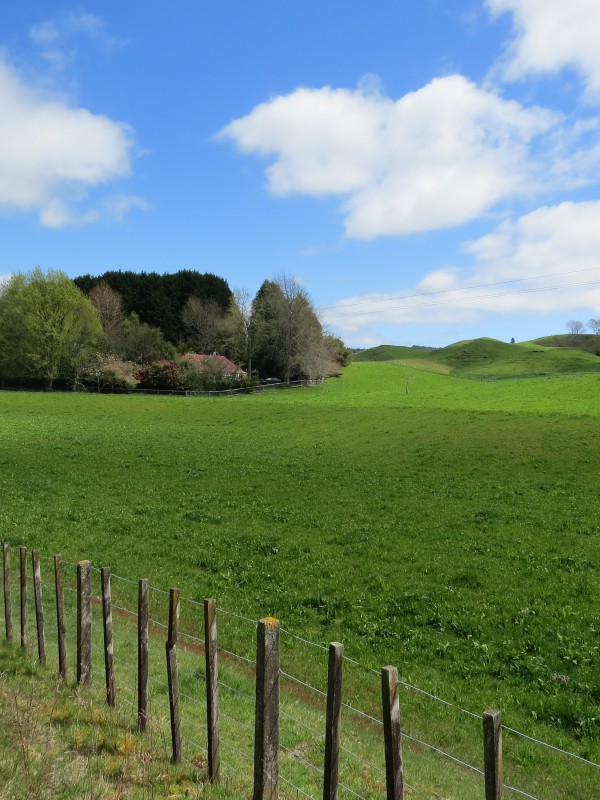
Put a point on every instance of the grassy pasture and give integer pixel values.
(449, 527)
(490, 358)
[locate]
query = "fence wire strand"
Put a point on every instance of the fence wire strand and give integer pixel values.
(302, 683)
(351, 791)
(49, 586)
(236, 655)
(301, 724)
(519, 792)
(296, 788)
(299, 759)
(551, 747)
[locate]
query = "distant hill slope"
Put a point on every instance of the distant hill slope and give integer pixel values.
(388, 352)
(491, 358)
(582, 341)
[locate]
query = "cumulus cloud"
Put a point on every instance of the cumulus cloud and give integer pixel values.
(551, 35)
(51, 153)
(546, 240)
(435, 158)
(533, 251)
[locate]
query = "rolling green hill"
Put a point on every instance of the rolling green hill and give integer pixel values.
(388, 352)
(583, 341)
(490, 358)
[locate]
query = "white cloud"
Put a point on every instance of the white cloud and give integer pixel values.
(58, 36)
(51, 153)
(540, 246)
(551, 35)
(550, 239)
(436, 158)
(116, 207)
(57, 214)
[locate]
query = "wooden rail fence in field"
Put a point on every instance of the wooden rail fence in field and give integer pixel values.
(266, 672)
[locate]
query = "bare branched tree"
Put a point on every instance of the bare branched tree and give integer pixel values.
(109, 306)
(239, 329)
(202, 322)
(575, 327)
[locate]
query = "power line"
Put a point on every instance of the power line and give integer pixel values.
(463, 299)
(461, 288)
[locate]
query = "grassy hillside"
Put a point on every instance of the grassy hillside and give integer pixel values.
(387, 352)
(491, 358)
(584, 341)
(449, 527)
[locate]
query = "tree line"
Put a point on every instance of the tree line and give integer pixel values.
(124, 329)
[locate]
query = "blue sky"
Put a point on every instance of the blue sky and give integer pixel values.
(427, 169)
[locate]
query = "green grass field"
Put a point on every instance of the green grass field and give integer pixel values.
(489, 358)
(448, 527)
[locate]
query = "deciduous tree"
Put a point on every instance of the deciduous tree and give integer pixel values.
(238, 330)
(109, 305)
(202, 322)
(48, 327)
(575, 326)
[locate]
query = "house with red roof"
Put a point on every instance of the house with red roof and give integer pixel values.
(214, 361)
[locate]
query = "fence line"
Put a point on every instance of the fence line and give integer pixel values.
(268, 672)
(173, 392)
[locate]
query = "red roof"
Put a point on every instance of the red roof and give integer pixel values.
(228, 367)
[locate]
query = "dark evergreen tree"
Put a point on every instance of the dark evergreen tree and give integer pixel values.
(158, 299)
(289, 337)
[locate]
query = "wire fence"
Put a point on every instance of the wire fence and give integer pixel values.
(261, 387)
(442, 759)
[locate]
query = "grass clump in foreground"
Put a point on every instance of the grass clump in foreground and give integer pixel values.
(447, 527)
(58, 740)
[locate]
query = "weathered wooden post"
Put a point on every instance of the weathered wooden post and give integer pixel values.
(23, 576)
(492, 755)
(266, 724)
(39, 608)
(142, 667)
(212, 689)
(60, 617)
(84, 624)
(332, 721)
(171, 648)
(109, 662)
(7, 605)
(394, 773)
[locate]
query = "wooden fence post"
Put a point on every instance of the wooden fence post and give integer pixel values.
(171, 648)
(39, 608)
(212, 689)
(60, 617)
(7, 605)
(23, 575)
(109, 662)
(142, 669)
(332, 721)
(394, 772)
(84, 624)
(492, 755)
(266, 724)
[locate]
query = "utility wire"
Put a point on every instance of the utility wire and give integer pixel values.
(463, 299)
(459, 289)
